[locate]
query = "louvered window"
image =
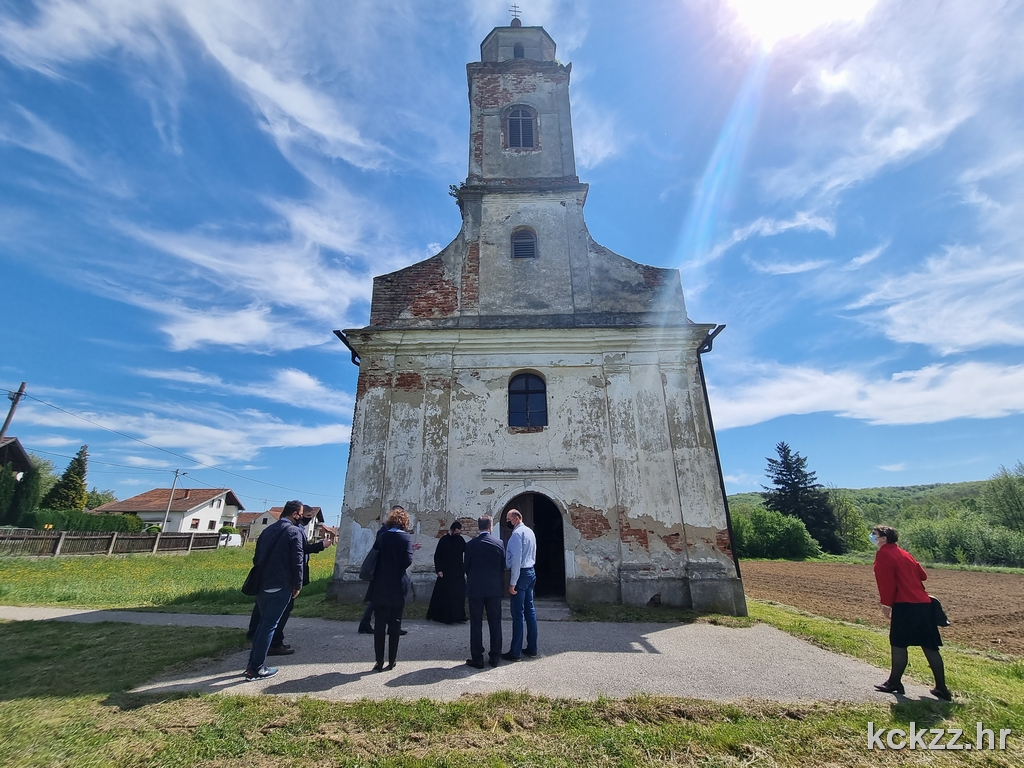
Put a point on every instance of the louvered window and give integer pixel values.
(527, 401)
(520, 129)
(517, 51)
(524, 245)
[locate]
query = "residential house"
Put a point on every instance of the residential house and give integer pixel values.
(12, 452)
(192, 509)
(314, 531)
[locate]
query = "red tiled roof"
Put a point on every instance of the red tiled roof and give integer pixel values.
(156, 500)
(246, 518)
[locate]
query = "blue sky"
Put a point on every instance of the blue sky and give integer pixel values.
(194, 194)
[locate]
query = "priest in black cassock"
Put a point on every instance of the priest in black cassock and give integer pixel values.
(448, 603)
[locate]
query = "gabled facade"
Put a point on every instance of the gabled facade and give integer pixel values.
(203, 510)
(528, 366)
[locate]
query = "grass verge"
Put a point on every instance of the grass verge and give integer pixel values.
(63, 702)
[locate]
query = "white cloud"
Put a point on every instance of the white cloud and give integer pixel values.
(597, 135)
(932, 394)
(786, 268)
(209, 435)
(866, 258)
(767, 227)
(286, 385)
(54, 442)
(893, 467)
(964, 299)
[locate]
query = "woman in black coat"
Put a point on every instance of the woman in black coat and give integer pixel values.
(390, 585)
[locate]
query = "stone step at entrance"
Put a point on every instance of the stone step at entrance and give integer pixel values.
(547, 610)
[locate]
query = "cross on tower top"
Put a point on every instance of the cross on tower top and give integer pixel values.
(514, 10)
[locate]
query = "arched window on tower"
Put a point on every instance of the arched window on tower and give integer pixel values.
(520, 129)
(524, 244)
(517, 51)
(527, 401)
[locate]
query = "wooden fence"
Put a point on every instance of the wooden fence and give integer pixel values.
(54, 543)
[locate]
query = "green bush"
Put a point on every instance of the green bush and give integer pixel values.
(759, 532)
(65, 520)
(228, 529)
(964, 537)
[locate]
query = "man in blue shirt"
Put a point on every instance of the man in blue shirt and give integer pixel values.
(280, 557)
(520, 557)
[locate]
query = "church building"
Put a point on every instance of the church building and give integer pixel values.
(526, 366)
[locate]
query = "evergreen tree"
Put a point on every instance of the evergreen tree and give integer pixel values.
(798, 493)
(70, 492)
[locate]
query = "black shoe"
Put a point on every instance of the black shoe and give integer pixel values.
(260, 674)
(531, 654)
(890, 687)
(378, 666)
(390, 666)
(403, 632)
(509, 657)
(941, 693)
(280, 650)
(366, 630)
(494, 661)
(475, 664)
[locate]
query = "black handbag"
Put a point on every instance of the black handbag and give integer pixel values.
(369, 567)
(941, 620)
(251, 585)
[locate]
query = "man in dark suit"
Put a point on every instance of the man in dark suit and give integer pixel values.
(485, 566)
(278, 647)
(279, 555)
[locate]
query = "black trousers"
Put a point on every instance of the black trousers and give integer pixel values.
(477, 606)
(387, 619)
(278, 639)
(364, 624)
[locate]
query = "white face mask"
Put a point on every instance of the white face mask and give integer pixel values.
(873, 538)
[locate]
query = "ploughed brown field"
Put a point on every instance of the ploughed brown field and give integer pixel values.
(986, 610)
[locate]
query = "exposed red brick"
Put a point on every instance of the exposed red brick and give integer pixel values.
(591, 523)
(420, 290)
(722, 541)
(369, 380)
(409, 381)
(628, 533)
(654, 277)
(674, 541)
(471, 278)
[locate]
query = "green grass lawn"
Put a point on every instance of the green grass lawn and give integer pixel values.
(64, 702)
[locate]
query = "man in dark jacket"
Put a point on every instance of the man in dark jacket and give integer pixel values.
(485, 566)
(279, 555)
(278, 647)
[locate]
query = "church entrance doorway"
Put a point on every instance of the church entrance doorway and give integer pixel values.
(544, 518)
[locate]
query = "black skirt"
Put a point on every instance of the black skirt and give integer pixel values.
(913, 624)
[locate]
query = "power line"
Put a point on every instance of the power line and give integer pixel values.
(180, 456)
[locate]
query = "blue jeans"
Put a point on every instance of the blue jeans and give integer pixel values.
(522, 608)
(272, 606)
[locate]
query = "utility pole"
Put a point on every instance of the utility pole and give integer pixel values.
(177, 472)
(14, 397)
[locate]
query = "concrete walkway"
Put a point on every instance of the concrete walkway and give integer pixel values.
(581, 660)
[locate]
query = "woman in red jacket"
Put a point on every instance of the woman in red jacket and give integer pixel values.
(909, 610)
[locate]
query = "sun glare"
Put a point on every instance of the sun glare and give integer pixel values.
(773, 20)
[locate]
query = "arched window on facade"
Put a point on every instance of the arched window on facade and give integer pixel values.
(520, 129)
(517, 51)
(527, 401)
(524, 244)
